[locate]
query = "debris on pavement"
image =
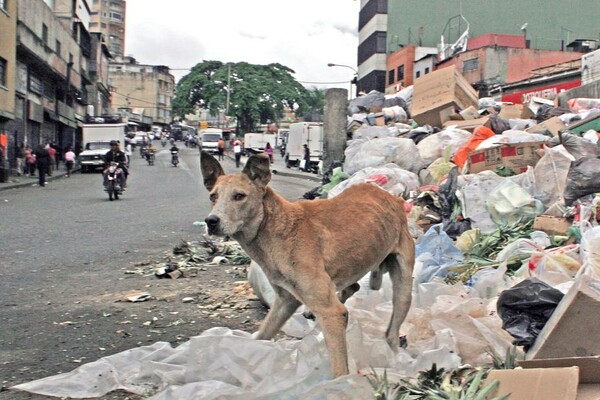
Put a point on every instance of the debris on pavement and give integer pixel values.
(138, 296)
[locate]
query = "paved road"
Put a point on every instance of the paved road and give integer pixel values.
(63, 252)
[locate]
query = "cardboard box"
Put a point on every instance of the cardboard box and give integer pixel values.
(516, 156)
(469, 125)
(516, 111)
(537, 384)
(573, 330)
(470, 112)
(552, 125)
(551, 379)
(552, 225)
(439, 94)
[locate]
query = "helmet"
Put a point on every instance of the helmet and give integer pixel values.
(113, 142)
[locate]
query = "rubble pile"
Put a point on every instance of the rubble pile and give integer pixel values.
(502, 201)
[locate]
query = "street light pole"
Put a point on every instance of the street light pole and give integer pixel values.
(355, 75)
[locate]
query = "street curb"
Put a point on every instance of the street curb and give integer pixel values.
(290, 174)
(33, 182)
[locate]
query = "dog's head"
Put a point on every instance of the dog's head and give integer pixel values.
(236, 198)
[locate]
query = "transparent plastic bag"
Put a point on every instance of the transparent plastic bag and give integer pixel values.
(364, 153)
(509, 203)
(389, 177)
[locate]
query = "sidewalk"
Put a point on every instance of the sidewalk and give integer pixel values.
(26, 180)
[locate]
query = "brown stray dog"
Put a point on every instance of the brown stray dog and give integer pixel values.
(310, 249)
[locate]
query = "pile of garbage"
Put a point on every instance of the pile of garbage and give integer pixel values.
(504, 208)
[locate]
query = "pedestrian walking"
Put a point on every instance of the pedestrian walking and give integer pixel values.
(221, 148)
(42, 158)
(269, 151)
(237, 151)
(305, 165)
(21, 159)
(69, 161)
(30, 161)
(52, 155)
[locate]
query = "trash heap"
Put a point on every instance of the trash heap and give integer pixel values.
(503, 207)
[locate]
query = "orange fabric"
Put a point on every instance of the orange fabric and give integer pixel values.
(479, 135)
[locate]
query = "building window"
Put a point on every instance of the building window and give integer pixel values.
(471, 65)
(391, 76)
(426, 70)
(401, 72)
(418, 74)
(2, 71)
(45, 34)
(58, 48)
(36, 85)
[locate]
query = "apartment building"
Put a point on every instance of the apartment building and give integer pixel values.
(108, 18)
(8, 67)
(143, 91)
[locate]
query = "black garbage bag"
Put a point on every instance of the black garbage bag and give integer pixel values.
(582, 179)
(525, 308)
(367, 103)
(577, 146)
(419, 133)
(447, 193)
(313, 194)
(497, 124)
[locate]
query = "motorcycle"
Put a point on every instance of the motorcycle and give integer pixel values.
(174, 157)
(112, 183)
(163, 141)
(150, 157)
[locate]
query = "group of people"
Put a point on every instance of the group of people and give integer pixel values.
(44, 159)
(238, 150)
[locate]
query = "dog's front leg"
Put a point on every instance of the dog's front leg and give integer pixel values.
(284, 306)
(320, 296)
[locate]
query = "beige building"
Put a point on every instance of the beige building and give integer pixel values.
(108, 18)
(8, 61)
(143, 91)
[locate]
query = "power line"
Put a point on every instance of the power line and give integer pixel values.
(325, 83)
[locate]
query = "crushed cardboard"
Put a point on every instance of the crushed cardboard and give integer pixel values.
(573, 329)
(469, 125)
(515, 111)
(517, 157)
(439, 94)
(537, 383)
(553, 125)
(552, 225)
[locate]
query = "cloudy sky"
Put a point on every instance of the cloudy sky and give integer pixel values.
(303, 35)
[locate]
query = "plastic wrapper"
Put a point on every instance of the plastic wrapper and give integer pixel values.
(418, 134)
(480, 134)
(389, 177)
(577, 146)
(395, 114)
(374, 132)
(260, 284)
(509, 203)
(590, 250)
(434, 146)
(512, 136)
(579, 104)
(374, 100)
(591, 136)
(486, 102)
(555, 266)
(337, 176)
(518, 124)
(551, 175)
(582, 179)
(435, 254)
(364, 153)
(407, 95)
(473, 191)
(525, 309)
(440, 168)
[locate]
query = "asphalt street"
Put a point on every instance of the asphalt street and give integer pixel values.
(63, 252)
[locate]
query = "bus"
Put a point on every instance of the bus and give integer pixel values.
(181, 131)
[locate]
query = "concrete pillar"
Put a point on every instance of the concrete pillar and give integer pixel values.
(334, 126)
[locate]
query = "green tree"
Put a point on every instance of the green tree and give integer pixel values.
(258, 93)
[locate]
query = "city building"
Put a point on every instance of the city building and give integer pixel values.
(98, 93)
(108, 18)
(407, 64)
(143, 92)
(386, 27)
(8, 68)
(51, 72)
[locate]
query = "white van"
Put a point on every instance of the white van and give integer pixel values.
(209, 139)
(309, 133)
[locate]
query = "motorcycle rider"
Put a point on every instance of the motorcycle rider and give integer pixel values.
(175, 149)
(150, 150)
(115, 154)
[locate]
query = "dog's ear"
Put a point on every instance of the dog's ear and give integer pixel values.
(211, 170)
(258, 169)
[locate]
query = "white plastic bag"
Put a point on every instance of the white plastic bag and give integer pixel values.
(364, 153)
(389, 177)
(551, 174)
(509, 203)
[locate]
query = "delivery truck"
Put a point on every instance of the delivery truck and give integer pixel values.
(301, 133)
(255, 142)
(96, 143)
(209, 139)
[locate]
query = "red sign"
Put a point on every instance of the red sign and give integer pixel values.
(545, 92)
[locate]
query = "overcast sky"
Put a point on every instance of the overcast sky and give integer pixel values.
(303, 35)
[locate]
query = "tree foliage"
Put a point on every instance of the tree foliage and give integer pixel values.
(258, 93)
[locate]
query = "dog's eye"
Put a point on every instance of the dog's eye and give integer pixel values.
(239, 196)
(213, 197)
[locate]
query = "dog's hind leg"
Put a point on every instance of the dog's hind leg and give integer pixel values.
(400, 266)
(284, 306)
(344, 295)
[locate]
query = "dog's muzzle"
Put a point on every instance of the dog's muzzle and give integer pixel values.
(212, 222)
